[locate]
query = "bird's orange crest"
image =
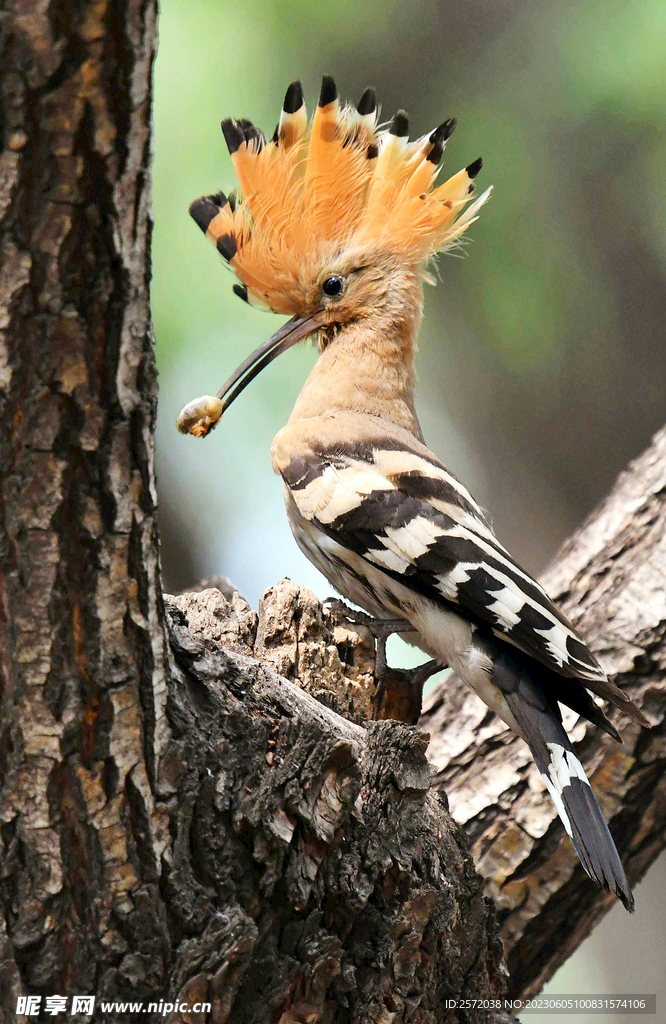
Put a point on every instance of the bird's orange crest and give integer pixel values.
(338, 183)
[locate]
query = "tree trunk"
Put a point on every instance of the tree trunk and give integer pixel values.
(85, 825)
(316, 876)
(177, 821)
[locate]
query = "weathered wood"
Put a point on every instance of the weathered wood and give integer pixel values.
(315, 875)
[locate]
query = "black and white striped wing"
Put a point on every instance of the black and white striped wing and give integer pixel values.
(411, 518)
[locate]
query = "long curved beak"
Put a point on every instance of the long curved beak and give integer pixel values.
(289, 334)
(201, 415)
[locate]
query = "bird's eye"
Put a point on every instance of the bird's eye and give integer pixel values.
(333, 286)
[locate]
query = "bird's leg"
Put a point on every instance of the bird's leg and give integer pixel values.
(381, 629)
(420, 675)
(399, 692)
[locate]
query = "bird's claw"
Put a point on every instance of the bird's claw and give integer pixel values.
(381, 629)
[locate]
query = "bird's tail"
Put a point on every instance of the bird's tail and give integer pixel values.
(541, 724)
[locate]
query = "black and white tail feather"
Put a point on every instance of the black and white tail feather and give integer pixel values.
(540, 721)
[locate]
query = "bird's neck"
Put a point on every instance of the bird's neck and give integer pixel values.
(367, 369)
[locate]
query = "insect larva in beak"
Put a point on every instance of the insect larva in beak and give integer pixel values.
(200, 415)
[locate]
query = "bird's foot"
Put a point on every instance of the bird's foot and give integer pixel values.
(399, 691)
(420, 675)
(381, 629)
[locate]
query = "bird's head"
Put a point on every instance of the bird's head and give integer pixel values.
(335, 220)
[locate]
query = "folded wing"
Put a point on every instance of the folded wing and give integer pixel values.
(399, 508)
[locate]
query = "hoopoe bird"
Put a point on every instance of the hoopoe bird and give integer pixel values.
(334, 225)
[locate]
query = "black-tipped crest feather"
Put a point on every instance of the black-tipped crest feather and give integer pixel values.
(444, 132)
(400, 124)
(252, 133)
(293, 99)
(203, 210)
(233, 135)
(368, 102)
(226, 246)
(328, 92)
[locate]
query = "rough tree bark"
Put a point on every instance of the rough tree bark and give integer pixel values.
(177, 819)
(84, 820)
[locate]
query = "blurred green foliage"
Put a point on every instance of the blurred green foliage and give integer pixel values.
(543, 358)
(542, 353)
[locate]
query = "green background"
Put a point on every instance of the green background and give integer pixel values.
(542, 359)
